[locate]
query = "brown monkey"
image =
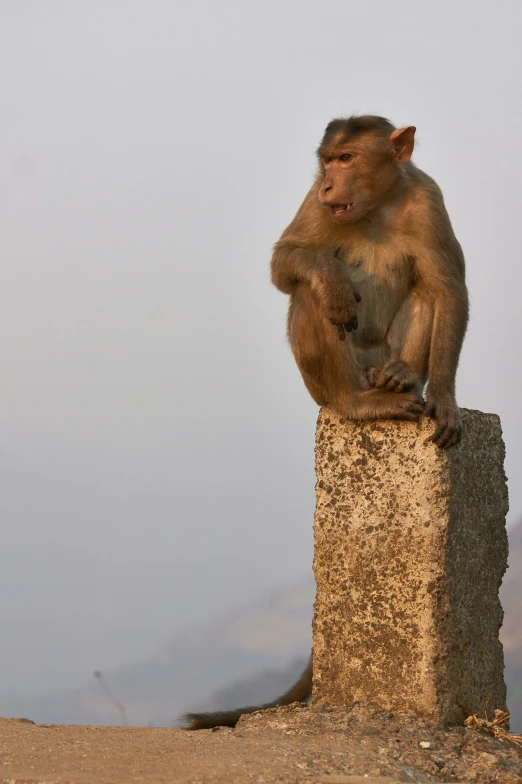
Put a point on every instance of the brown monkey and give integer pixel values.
(378, 300)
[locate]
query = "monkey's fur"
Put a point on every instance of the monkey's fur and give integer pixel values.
(378, 300)
(374, 227)
(299, 692)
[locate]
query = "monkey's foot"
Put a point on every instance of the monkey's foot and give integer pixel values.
(381, 404)
(397, 376)
(398, 405)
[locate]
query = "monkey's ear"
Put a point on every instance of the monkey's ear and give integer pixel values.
(402, 143)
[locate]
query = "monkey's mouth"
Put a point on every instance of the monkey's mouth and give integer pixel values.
(339, 209)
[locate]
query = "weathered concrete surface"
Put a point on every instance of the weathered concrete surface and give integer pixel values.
(410, 550)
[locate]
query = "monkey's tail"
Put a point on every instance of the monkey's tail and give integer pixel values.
(299, 692)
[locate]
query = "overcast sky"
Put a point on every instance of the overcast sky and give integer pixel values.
(156, 450)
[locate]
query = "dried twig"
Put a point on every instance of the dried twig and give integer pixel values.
(121, 708)
(496, 727)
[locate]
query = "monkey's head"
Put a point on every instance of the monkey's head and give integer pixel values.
(360, 161)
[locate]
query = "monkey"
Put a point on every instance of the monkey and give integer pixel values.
(376, 279)
(378, 298)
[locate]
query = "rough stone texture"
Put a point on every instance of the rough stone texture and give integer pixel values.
(410, 550)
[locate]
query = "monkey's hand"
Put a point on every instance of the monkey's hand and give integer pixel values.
(338, 299)
(444, 409)
(397, 376)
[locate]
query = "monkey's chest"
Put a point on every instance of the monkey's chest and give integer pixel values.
(383, 284)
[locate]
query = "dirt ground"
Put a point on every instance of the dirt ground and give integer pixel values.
(361, 745)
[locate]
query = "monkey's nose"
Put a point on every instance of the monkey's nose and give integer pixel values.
(324, 194)
(326, 187)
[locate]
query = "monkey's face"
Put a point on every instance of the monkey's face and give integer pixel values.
(357, 176)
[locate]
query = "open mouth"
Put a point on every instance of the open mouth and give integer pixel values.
(339, 209)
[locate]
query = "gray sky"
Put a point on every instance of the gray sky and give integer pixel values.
(156, 447)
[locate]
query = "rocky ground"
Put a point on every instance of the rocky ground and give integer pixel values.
(362, 745)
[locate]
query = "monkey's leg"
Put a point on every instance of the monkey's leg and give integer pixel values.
(330, 369)
(408, 338)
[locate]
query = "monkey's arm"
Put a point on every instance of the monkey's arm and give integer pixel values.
(300, 256)
(442, 271)
(303, 256)
(326, 276)
(293, 263)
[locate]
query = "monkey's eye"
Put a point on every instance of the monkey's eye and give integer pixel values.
(346, 156)
(326, 159)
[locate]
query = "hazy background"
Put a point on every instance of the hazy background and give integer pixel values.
(156, 447)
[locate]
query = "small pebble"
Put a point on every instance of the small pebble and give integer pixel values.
(424, 744)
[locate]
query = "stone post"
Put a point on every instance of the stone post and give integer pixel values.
(410, 550)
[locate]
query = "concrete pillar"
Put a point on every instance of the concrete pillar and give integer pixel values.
(410, 550)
